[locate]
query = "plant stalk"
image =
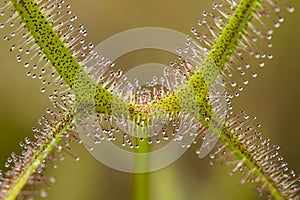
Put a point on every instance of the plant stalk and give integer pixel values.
(141, 186)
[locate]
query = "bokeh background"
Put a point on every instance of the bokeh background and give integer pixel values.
(273, 97)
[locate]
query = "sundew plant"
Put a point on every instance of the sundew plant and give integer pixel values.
(233, 40)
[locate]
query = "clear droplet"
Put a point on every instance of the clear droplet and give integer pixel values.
(270, 56)
(276, 24)
(270, 45)
(290, 9)
(7, 165)
(52, 179)
(261, 64)
(270, 31)
(43, 193)
(281, 19)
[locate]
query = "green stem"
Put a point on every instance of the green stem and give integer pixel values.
(141, 186)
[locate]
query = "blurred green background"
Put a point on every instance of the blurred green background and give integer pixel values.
(273, 97)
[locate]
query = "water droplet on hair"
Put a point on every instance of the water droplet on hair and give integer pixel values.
(270, 45)
(281, 19)
(270, 31)
(290, 9)
(52, 179)
(7, 165)
(43, 193)
(261, 64)
(270, 56)
(276, 24)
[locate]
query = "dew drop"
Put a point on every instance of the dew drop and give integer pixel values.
(257, 56)
(261, 64)
(214, 6)
(281, 19)
(276, 24)
(62, 158)
(258, 125)
(13, 155)
(13, 47)
(290, 9)
(21, 144)
(77, 158)
(270, 56)
(7, 165)
(27, 140)
(270, 45)
(270, 31)
(43, 193)
(43, 89)
(52, 179)
(9, 160)
(233, 84)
